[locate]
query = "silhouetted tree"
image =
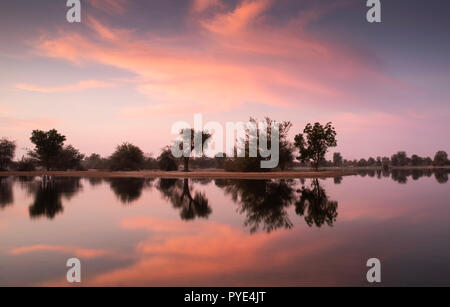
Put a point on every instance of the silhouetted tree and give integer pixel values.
(69, 158)
(127, 157)
(440, 158)
(95, 161)
(247, 161)
(399, 159)
(150, 163)
(196, 141)
(48, 146)
(337, 159)
(385, 161)
(313, 144)
(416, 160)
(371, 162)
(26, 164)
(166, 161)
(362, 163)
(7, 150)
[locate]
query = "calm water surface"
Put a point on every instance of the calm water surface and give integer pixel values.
(175, 232)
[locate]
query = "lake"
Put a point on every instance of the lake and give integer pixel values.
(187, 232)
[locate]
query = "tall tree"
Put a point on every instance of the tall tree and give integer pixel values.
(313, 144)
(7, 150)
(189, 137)
(48, 146)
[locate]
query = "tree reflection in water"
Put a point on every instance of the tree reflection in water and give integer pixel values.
(48, 196)
(401, 175)
(264, 202)
(315, 206)
(6, 192)
(129, 190)
(179, 193)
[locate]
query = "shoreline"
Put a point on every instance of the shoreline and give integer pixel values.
(330, 172)
(192, 174)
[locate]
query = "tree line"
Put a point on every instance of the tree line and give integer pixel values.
(308, 150)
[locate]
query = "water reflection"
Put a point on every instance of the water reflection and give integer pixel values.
(128, 190)
(6, 192)
(315, 206)
(263, 202)
(401, 175)
(48, 196)
(179, 193)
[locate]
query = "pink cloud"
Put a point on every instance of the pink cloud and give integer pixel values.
(216, 71)
(73, 250)
(80, 86)
(114, 7)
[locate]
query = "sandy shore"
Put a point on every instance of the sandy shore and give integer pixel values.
(194, 174)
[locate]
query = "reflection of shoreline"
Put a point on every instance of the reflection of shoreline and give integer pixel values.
(203, 174)
(401, 175)
(327, 172)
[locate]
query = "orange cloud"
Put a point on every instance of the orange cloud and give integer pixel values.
(80, 86)
(72, 250)
(244, 14)
(215, 72)
(178, 252)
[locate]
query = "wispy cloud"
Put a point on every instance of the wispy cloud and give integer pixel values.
(114, 7)
(73, 250)
(271, 65)
(80, 86)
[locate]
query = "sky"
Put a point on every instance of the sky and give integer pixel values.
(133, 68)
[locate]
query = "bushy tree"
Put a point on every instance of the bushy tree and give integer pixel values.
(440, 158)
(416, 160)
(313, 144)
(95, 161)
(127, 157)
(69, 158)
(48, 146)
(166, 161)
(385, 161)
(7, 151)
(150, 163)
(337, 159)
(26, 164)
(371, 161)
(399, 159)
